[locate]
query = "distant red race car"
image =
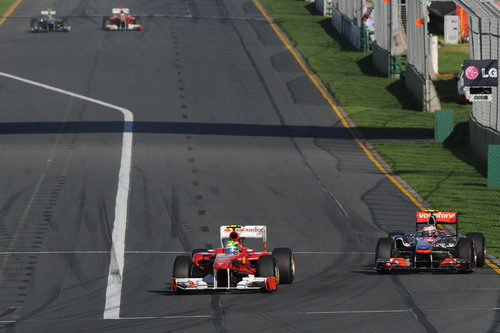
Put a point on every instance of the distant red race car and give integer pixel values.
(121, 20)
(234, 266)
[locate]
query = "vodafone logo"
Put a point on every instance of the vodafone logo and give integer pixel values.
(471, 72)
(438, 215)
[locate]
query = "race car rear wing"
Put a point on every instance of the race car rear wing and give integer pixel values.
(440, 217)
(48, 12)
(434, 217)
(117, 11)
(241, 232)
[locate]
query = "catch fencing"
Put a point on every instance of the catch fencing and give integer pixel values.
(347, 16)
(390, 36)
(484, 30)
(484, 18)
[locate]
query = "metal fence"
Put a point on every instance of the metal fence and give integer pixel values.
(390, 35)
(347, 18)
(351, 9)
(484, 31)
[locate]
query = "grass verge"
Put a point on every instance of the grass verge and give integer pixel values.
(4, 5)
(446, 175)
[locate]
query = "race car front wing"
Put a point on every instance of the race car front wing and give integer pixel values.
(115, 27)
(454, 264)
(247, 283)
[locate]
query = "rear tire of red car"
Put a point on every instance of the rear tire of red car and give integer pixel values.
(478, 240)
(183, 266)
(385, 250)
(286, 264)
(267, 266)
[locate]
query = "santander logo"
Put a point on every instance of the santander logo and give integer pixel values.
(471, 72)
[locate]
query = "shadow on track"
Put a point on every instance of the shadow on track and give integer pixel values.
(186, 128)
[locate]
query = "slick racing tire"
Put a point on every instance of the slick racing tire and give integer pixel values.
(478, 240)
(183, 266)
(385, 250)
(65, 24)
(267, 266)
(286, 264)
(465, 250)
(34, 24)
(197, 251)
(105, 22)
(138, 21)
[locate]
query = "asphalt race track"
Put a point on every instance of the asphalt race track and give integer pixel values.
(228, 129)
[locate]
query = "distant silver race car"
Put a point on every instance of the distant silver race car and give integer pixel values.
(49, 22)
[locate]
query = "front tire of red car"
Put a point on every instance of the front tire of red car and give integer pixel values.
(183, 266)
(286, 264)
(267, 266)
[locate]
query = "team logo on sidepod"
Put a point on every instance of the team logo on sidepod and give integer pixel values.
(471, 72)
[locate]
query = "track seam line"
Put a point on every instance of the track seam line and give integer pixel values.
(342, 118)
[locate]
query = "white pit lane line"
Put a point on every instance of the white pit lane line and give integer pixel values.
(117, 254)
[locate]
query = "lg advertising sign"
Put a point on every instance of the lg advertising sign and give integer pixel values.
(480, 73)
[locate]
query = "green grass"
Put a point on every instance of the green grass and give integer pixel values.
(446, 175)
(451, 57)
(379, 105)
(4, 5)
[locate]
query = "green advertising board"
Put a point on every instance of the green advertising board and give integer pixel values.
(443, 125)
(494, 166)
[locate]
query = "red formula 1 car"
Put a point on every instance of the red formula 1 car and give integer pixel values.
(234, 266)
(121, 20)
(431, 248)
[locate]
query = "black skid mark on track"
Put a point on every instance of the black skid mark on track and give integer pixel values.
(178, 229)
(414, 309)
(4, 212)
(218, 315)
(340, 210)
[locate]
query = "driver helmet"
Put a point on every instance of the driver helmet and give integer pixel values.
(122, 14)
(232, 247)
(429, 231)
(49, 13)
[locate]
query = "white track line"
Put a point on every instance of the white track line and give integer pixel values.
(336, 252)
(378, 311)
(89, 252)
(117, 256)
(165, 317)
(153, 252)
